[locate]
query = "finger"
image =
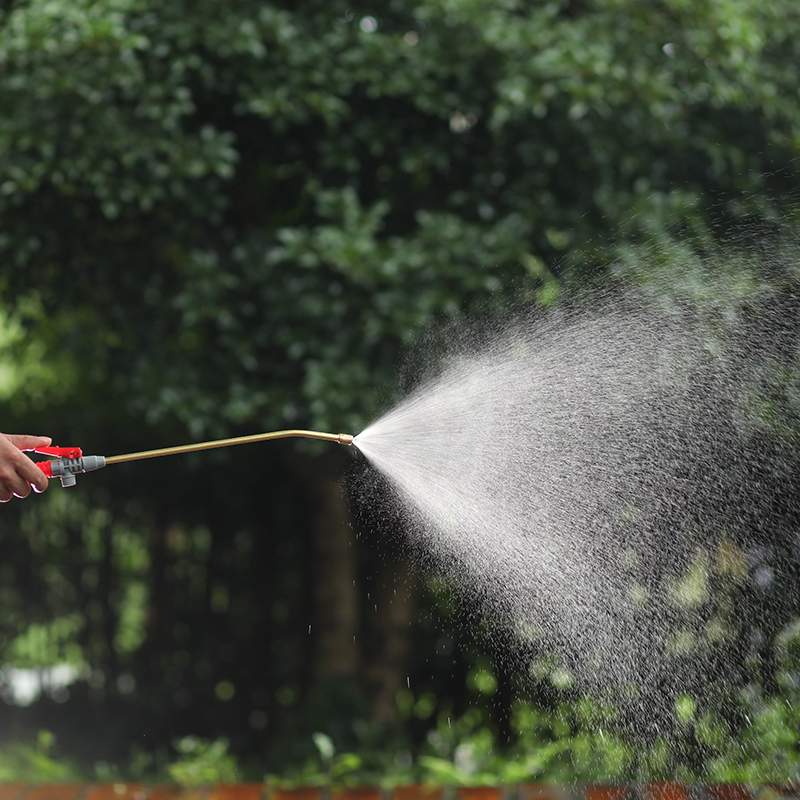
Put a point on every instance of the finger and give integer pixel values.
(23, 491)
(13, 484)
(31, 474)
(25, 442)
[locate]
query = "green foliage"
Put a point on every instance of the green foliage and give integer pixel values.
(35, 762)
(579, 744)
(290, 197)
(575, 743)
(201, 761)
(338, 768)
(81, 547)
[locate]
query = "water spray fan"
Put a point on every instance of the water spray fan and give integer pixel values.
(68, 462)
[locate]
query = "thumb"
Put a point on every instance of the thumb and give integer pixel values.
(24, 442)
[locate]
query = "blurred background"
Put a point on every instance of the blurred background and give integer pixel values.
(224, 218)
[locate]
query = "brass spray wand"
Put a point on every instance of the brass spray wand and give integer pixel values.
(339, 438)
(69, 461)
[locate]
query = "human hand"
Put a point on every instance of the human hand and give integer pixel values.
(18, 473)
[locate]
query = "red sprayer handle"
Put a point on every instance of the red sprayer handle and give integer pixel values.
(60, 452)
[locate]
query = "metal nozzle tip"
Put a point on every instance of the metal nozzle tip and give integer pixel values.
(345, 438)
